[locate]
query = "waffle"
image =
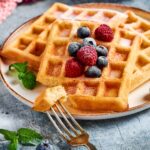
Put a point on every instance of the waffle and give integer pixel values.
(141, 27)
(29, 46)
(110, 91)
(49, 97)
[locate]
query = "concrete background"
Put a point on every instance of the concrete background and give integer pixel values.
(128, 133)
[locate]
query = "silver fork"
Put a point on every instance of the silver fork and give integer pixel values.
(75, 136)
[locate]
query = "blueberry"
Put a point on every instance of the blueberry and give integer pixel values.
(73, 48)
(83, 32)
(101, 50)
(89, 41)
(93, 72)
(102, 62)
(45, 145)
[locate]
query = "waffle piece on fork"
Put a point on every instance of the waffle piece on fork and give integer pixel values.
(51, 101)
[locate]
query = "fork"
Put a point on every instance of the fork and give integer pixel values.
(75, 136)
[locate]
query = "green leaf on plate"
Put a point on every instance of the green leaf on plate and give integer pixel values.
(27, 77)
(20, 67)
(29, 80)
(21, 75)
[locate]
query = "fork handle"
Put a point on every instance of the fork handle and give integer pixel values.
(90, 146)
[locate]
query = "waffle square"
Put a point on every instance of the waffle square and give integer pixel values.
(141, 27)
(141, 71)
(30, 45)
(110, 91)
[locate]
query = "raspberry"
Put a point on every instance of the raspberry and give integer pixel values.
(104, 33)
(73, 68)
(87, 55)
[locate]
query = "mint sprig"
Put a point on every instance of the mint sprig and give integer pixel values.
(20, 67)
(13, 144)
(23, 136)
(27, 77)
(8, 135)
(29, 137)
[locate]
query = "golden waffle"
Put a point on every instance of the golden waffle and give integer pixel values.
(30, 45)
(141, 72)
(108, 92)
(137, 24)
(141, 27)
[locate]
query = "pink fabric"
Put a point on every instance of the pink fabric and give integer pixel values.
(6, 8)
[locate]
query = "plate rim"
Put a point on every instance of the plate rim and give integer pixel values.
(98, 116)
(113, 5)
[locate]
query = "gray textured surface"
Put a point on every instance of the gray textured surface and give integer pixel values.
(128, 133)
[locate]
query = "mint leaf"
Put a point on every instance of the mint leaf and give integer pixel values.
(13, 145)
(20, 67)
(23, 136)
(29, 80)
(29, 137)
(9, 135)
(21, 75)
(12, 137)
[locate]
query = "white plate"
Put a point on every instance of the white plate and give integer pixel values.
(138, 100)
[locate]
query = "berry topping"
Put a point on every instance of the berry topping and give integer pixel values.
(89, 41)
(45, 145)
(93, 72)
(104, 33)
(83, 32)
(102, 62)
(101, 50)
(73, 48)
(73, 68)
(87, 55)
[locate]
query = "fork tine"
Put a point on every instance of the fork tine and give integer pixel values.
(65, 118)
(61, 123)
(56, 126)
(71, 117)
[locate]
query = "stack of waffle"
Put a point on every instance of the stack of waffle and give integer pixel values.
(44, 46)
